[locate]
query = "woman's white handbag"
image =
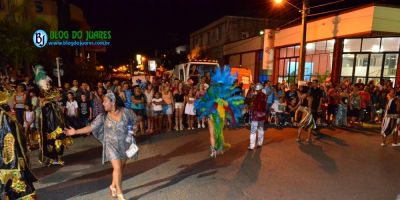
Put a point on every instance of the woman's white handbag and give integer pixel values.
(133, 148)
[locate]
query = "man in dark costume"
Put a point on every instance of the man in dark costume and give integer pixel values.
(52, 139)
(16, 179)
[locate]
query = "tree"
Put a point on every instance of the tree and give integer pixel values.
(16, 30)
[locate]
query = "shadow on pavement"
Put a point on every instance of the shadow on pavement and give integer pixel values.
(94, 182)
(316, 152)
(340, 142)
(362, 130)
(246, 176)
(221, 161)
(71, 159)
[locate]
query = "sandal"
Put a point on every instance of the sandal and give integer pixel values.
(113, 191)
(120, 197)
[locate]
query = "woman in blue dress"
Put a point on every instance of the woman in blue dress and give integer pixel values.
(112, 129)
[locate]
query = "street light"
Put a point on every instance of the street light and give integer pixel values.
(303, 10)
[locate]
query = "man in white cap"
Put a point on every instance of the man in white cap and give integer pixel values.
(258, 105)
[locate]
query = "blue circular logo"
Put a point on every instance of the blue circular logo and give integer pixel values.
(40, 38)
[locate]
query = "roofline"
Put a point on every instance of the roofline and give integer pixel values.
(344, 11)
(222, 19)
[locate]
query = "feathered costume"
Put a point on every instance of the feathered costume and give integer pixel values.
(16, 179)
(220, 103)
(52, 139)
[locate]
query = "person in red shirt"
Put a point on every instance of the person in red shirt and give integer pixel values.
(258, 108)
(333, 97)
(365, 101)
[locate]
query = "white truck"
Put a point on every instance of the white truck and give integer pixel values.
(184, 71)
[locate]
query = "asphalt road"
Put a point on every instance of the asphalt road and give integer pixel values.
(341, 164)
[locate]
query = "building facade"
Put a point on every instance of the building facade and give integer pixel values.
(212, 38)
(247, 53)
(358, 45)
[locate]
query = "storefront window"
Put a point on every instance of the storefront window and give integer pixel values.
(297, 50)
(390, 67)
(390, 44)
(282, 52)
(371, 44)
(329, 45)
(310, 48)
(347, 64)
(375, 65)
(370, 65)
(318, 61)
(290, 52)
(352, 45)
(320, 47)
(361, 65)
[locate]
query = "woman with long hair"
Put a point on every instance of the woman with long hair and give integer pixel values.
(189, 109)
(179, 98)
(307, 120)
(112, 130)
(200, 93)
(149, 94)
(167, 108)
(138, 106)
(98, 108)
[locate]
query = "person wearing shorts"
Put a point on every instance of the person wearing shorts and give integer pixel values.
(138, 107)
(355, 105)
(157, 111)
(168, 102)
(179, 98)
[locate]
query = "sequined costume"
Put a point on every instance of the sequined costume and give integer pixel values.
(52, 140)
(16, 179)
(112, 134)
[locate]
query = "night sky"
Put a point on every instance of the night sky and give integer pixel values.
(144, 26)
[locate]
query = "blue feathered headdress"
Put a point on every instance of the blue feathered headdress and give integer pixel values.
(221, 90)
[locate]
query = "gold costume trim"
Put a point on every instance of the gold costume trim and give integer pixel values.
(29, 197)
(53, 135)
(18, 185)
(15, 176)
(5, 97)
(8, 149)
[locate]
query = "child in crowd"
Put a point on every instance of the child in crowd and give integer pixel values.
(29, 124)
(279, 108)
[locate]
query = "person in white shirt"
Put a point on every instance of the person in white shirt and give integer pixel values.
(72, 111)
(29, 124)
(279, 108)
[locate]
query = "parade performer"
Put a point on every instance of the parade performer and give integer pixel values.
(16, 179)
(391, 121)
(307, 120)
(220, 103)
(258, 108)
(114, 130)
(52, 140)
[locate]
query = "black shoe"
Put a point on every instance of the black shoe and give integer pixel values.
(259, 146)
(250, 149)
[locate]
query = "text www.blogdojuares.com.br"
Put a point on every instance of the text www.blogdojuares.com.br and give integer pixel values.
(79, 43)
